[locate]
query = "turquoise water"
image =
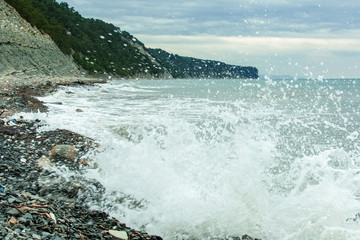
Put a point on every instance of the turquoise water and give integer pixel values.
(190, 159)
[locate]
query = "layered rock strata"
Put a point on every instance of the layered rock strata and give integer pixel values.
(25, 51)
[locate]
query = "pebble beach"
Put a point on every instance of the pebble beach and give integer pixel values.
(30, 209)
(35, 201)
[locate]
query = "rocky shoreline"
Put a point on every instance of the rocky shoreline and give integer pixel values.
(30, 207)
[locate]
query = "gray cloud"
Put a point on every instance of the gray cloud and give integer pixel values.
(224, 17)
(208, 29)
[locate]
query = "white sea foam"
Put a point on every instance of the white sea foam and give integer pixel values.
(192, 159)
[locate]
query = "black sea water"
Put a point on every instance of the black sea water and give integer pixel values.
(206, 159)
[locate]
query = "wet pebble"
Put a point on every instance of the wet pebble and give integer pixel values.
(13, 212)
(11, 200)
(40, 211)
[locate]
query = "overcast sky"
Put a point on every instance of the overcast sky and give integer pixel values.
(308, 38)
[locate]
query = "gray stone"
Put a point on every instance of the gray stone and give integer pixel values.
(13, 212)
(22, 220)
(45, 235)
(119, 234)
(11, 200)
(36, 236)
(28, 216)
(63, 151)
(58, 238)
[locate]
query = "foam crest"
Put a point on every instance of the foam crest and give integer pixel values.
(211, 159)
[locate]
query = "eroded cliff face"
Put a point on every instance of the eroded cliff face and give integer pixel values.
(25, 51)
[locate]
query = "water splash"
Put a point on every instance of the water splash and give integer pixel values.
(194, 159)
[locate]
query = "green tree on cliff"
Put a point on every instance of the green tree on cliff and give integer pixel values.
(101, 47)
(95, 45)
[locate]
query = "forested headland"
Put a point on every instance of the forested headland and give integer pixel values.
(102, 48)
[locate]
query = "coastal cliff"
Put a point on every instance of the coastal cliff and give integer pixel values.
(26, 52)
(102, 49)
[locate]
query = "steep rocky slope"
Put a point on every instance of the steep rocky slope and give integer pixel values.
(25, 51)
(96, 47)
(101, 48)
